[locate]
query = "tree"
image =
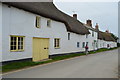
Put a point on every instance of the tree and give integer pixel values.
(115, 37)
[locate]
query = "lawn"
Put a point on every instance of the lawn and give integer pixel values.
(24, 64)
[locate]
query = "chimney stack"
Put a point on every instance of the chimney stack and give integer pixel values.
(89, 22)
(96, 26)
(107, 31)
(75, 16)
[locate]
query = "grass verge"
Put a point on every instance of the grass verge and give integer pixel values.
(19, 65)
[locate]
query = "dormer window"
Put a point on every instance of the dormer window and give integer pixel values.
(37, 23)
(49, 23)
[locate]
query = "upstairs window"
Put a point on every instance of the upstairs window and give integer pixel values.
(16, 43)
(57, 43)
(37, 23)
(49, 23)
(68, 36)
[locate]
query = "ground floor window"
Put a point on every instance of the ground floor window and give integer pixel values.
(16, 43)
(86, 43)
(78, 44)
(57, 43)
(83, 45)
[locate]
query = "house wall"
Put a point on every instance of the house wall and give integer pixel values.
(103, 44)
(22, 23)
(91, 39)
(0, 32)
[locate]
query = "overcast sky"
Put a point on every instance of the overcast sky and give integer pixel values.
(103, 13)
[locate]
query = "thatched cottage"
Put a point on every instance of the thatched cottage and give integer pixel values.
(38, 30)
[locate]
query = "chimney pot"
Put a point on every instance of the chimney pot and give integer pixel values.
(89, 22)
(107, 31)
(96, 26)
(75, 16)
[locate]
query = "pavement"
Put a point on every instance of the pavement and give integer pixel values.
(99, 65)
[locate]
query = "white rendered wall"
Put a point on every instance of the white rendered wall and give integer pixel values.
(91, 39)
(22, 23)
(103, 44)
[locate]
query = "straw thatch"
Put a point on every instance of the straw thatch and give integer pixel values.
(105, 36)
(48, 9)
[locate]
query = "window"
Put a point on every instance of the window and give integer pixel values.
(86, 35)
(57, 43)
(78, 44)
(83, 45)
(68, 36)
(48, 23)
(86, 43)
(16, 43)
(92, 33)
(37, 23)
(96, 45)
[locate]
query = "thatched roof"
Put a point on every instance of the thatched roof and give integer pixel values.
(105, 36)
(90, 28)
(48, 9)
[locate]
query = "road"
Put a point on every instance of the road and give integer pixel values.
(100, 65)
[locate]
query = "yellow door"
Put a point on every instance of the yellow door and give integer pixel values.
(40, 48)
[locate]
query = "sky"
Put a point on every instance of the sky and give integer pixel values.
(104, 13)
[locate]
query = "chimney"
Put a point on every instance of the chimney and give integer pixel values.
(96, 26)
(75, 16)
(89, 22)
(107, 31)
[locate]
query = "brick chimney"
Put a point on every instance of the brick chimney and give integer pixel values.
(75, 16)
(89, 22)
(107, 31)
(96, 26)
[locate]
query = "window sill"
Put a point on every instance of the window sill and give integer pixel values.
(17, 51)
(57, 48)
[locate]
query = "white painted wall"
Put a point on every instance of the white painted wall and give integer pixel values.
(92, 45)
(19, 22)
(103, 44)
(0, 32)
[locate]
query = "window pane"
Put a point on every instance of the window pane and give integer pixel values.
(12, 48)
(14, 38)
(13, 43)
(20, 43)
(19, 47)
(21, 38)
(57, 43)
